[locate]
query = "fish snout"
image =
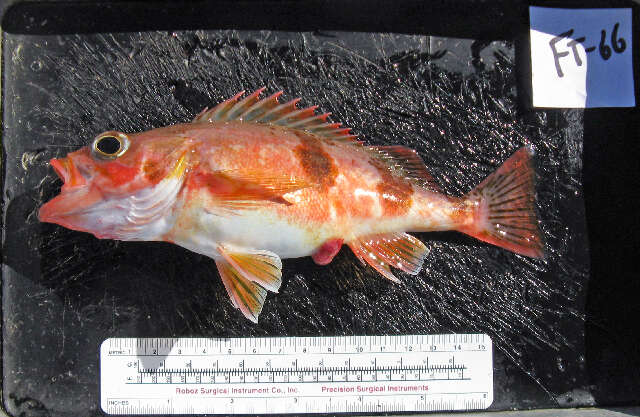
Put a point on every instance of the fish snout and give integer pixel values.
(69, 172)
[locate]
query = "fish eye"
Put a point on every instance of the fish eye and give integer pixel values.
(110, 145)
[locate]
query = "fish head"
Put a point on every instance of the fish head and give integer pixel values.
(120, 186)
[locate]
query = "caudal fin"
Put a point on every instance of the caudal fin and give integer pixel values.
(504, 207)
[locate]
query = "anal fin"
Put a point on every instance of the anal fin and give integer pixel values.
(400, 250)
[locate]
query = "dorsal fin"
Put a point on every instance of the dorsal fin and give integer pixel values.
(270, 111)
(406, 162)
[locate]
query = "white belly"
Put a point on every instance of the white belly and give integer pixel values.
(251, 229)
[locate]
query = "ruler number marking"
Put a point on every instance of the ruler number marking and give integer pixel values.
(436, 372)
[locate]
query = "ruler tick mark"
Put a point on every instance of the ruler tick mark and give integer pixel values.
(296, 375)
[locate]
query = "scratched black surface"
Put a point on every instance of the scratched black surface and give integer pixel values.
(454, 101)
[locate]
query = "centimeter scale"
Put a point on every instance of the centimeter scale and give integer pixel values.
(296, 374)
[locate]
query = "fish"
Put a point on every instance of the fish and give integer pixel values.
(255, 180)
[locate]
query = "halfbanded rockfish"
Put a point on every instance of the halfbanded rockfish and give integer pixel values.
(252, 181)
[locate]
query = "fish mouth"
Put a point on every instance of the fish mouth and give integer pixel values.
(59, 166)
(67, 203)
(69, 172)
(74, 198)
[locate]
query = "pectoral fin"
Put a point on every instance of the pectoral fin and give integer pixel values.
(399, 250)
(247, 275)
(245, 189)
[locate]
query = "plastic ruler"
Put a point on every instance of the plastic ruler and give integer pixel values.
(277, 375)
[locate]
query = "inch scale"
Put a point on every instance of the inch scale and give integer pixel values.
(296, 374)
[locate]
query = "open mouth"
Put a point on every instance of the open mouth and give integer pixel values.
(59, 166)
(74, 195)
(68, 172)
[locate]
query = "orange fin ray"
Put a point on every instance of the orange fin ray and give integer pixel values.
(243, 105)
(314, 121)
(259, 266)
(245, 189)
(277, 112)
(504, 213)
(261, 107)
(292, 118)
(218, 112)
(407, 163)
(275, 184)
(246, 296)
(270, 111)
(400, 250)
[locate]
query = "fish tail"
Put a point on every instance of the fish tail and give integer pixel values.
(504, 207)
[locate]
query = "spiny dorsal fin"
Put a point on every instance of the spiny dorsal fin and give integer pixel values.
(406, 162)
(270, 111)
(399, 250)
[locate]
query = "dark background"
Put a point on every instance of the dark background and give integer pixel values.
(609, 158)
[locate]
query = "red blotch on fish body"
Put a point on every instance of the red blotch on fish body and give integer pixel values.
(325, 253)
(315, 161)
(154, 171)
(395, 192)
(120, 174)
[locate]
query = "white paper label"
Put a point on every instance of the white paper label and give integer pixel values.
(581, 57)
